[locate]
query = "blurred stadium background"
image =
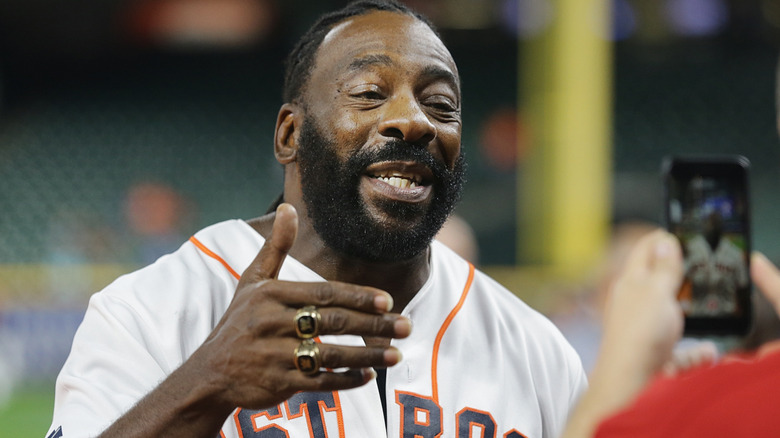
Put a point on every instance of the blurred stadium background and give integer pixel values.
(126, 125)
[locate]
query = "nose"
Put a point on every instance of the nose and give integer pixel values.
(404, 119)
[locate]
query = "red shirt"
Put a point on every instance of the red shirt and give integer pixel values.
(738, 397)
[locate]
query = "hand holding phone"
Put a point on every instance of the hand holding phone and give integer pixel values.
(707, 208)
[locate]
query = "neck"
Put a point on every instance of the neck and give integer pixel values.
(400, 279)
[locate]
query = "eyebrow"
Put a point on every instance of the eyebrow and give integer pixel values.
(369, 60)
(431, 72)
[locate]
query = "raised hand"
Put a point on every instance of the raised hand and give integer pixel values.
(642, 322)
(250, 353)
(248, 359)
(643, 319)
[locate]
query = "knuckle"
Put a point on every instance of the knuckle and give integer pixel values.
(377, 355)
(336, 322)
(276, 386)
(331, 357)
(339, 381)
(253, 293)
(324, 294)
(326, 382)
(381, 326)
(365, 301)
(260, 326)
(264, 288)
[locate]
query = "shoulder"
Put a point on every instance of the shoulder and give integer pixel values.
(146, 323)
(213, 255)
(183, 292)
(485, 301)
(500, 333)
(527, 326)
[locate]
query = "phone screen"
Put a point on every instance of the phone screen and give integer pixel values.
(708, 210)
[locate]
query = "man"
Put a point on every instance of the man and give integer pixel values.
(370, 139)
(716, 269)
(737, 397)
(643, 321)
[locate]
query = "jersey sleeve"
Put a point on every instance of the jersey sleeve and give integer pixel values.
(135, 333)
(579, 383)
(110, 368)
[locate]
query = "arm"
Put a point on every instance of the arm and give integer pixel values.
(247, 360)
(642, 322)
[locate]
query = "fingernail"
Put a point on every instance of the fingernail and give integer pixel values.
(759, 257)
(402, 327)
(392, 356)
(383, 302)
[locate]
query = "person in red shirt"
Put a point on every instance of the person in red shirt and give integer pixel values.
(631, 396)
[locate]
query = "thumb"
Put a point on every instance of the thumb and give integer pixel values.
(767, 278)
(667, 259)
(269, 259)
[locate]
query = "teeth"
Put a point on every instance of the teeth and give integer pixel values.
(395, 181)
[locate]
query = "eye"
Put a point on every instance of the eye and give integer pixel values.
(441, 104)
(369, 95)
(367, 92)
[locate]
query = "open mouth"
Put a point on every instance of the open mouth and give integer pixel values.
(403, 175)
(397, 179)
(401, 181)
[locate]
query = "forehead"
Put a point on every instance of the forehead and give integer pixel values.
(399, 38)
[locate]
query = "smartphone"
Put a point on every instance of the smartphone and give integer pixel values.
(708, 209)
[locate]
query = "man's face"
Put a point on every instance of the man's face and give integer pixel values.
(713, 228)
(379, 152)
(331, 193)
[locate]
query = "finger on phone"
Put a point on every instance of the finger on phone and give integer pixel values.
(667, 259)
(767, 278)
(658, 250)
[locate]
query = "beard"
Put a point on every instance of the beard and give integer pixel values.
(330, 189)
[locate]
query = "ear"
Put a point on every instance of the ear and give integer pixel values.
(286, 135)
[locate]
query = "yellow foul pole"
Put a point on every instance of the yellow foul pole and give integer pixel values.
(566, 105)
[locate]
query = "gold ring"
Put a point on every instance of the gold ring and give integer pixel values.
(307, 357)
(307, 322)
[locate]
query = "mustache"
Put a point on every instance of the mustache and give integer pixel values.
(400, 150)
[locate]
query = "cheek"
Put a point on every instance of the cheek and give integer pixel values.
(449, 136)
(350, 122)
(351, 130)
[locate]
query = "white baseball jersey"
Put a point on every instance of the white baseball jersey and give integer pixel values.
(479, 362)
